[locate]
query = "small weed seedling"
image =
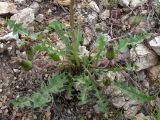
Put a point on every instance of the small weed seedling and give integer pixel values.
(76, 73)
(82, 81)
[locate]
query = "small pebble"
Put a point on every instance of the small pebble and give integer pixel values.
(1, 90)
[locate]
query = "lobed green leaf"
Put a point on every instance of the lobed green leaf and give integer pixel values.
(133, 93)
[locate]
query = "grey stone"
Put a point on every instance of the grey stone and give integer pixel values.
(40, 17)
(143, 57)
(155, 44)
(130, 103)
(96, 109)
(131, 112)
(83, 51)
(135, 3)
(25, 16)
(9, 37)
(20, 1)
(38, 0)
(118, 101)
(7, 8)
(94, 6)
(92, 18)
(132, 3)
(35, 6)
(105, 14)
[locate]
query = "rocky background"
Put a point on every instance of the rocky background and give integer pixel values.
(115, 21)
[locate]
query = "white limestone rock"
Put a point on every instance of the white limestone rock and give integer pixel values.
(35, 6)
(131, 112)
(105, 14)
(40, 17)
(38, 0)
(155, 44)
(118, 101)
(94, 6)
(83, 51)
(143, 57)
(20, 1)
(7, 8)
(124, 2)
(136, 3)
(115, 75)
(131, 108)
(130, 103)
(92, 18)
(132, 3)
(115, 96)
(9, 37)
(3, 47)
(25, 16)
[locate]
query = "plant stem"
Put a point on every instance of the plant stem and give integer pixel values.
(91, 78)
(72, 20)
(73, 38)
